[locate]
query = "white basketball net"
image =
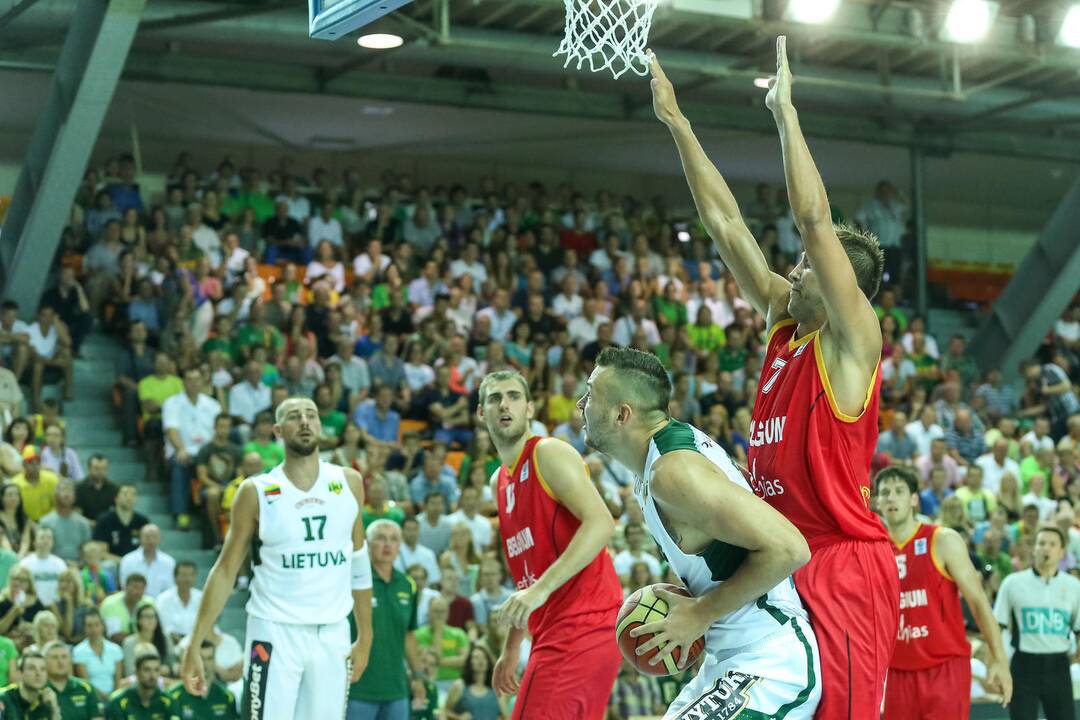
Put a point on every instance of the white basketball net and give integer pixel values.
(608, 34)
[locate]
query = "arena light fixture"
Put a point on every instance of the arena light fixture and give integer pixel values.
(969, 21)
(762, 82)
(811, 11)
(1069, 36)
(380, 41)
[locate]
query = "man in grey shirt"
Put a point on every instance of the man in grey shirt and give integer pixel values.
(1041, 609)
(70, 528)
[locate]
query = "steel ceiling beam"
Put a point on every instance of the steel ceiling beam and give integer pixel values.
(16, 10)
(228, 13)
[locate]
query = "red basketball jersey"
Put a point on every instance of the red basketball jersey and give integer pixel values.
(931, 621)
(807, 459)
(535, 529)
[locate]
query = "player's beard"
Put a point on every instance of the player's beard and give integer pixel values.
(301, 448)
(509, 435)
(598, 437)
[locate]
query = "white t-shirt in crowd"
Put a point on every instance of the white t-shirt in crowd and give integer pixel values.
(625, 560)
(46, 573)
(177, 618)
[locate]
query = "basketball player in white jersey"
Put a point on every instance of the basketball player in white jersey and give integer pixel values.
(732, 551)
(311, 568)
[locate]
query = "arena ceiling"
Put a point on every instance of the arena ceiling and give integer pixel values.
(869, 74)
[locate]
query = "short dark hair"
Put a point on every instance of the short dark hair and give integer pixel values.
(432, 494)
(144, 658)
(898, 472)
(865, 255)
(183, 564)
(9, 305)
(29, 655)
(647, 382)
(1051, 529)
(135, 577)
(223, 416)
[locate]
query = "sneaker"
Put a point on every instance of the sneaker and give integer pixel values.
(183, 521)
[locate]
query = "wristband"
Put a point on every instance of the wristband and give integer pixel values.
(361, 569)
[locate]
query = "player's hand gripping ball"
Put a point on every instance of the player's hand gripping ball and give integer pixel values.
(641, 608)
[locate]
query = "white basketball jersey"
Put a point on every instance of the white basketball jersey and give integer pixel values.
(302, 560)
(709, 568)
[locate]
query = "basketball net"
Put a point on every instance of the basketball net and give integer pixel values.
(608, 35)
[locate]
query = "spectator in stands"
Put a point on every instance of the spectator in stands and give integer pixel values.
(438, 634)
(69, 528)
(468, 513)
(120, 527)
(147, 629)
(378, 422)
(634, 695)
(76, 698)
(50, 350)
(31, 697)
(1041, 461)
(931, 498)
(44, 567)
(178, 604)
(895, 441)
(262, 442)
(37, 486)
(118, 609)
(634, 533)
(434, 527)
(215, 466)
(148, 561)
(57, 456)
(434, 477)
(996, 463)
(491, 592)
(44, 629)
(378, 504)
(472, 697)
(978, 502)
(188, 420)
(14, 339)
(71, 606)
(1039, 435)
(999, 397)
(101, 266)
(71, 305)
(250, 396)
(413, 552)
(924, 430)
(96, 494)
(963, 439)
(17, 527)
(19, 602)
(145, 694)
(219, 701)
(136, 363)
(284, 237)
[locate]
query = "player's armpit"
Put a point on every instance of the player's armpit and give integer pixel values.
(561, 469)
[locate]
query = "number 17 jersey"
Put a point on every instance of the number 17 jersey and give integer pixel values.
(302, 555)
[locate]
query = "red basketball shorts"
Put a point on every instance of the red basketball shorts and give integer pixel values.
(852, 592)
(570, 678)
(942, 692)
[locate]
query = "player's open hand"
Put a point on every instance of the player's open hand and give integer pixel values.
(358, 660)
(779, 96)
(999, 678)
(191, 671)
(504, 678)
(519, 606)
(663, 93)
(679, 629)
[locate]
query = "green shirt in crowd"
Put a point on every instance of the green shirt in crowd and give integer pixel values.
(391, 512)
(78, 700)
(218, 703)
(706, 338)
(8, 652)
(333, 423)
(253, 336)
(14, 707)
(393, 617)
(454, 643)
(126, 705)
(271, 453)
(159, 390)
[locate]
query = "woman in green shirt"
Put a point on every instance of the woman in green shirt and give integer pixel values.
(450, 642)
(668, 308)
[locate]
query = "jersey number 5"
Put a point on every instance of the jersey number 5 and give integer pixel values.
(319, 531)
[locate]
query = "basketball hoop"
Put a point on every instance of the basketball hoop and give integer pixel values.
(608, 34)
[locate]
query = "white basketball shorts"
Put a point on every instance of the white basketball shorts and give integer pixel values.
(776, 678)
(295, 672)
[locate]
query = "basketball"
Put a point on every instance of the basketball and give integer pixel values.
(641, 608)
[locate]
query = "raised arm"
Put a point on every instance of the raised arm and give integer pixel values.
(950, 550)
(693, 492)
(766, 290)
(564, 470)
(850, 315)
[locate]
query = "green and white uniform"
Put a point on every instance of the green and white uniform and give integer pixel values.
(761, 661)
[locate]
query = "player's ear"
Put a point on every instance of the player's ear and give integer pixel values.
(530, 410)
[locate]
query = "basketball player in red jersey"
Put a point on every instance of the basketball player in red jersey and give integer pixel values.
(930, 672)
(814, 423)
(555, 528)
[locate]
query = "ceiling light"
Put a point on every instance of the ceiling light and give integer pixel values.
(969, 20)
(380, 41)
(1070, 28)
(811, 11)
(762, 82)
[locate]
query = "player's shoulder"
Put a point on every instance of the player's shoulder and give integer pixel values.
(555, 453)
(81, 684)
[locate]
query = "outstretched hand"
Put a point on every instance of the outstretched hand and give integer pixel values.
(191, 671)
(779, 95)
(663, 93)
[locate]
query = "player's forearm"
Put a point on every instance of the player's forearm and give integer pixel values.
(988, 625)
(712, 197)
(219, 585)
(513, 639)
(591, 538)
(362, 615)
(760, 572)
(806, 192)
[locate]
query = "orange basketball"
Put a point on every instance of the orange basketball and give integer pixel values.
(641, 608)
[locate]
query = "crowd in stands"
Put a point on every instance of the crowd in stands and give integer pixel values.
(387, 303)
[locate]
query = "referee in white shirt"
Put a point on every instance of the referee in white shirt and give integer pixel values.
(1041, 609)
